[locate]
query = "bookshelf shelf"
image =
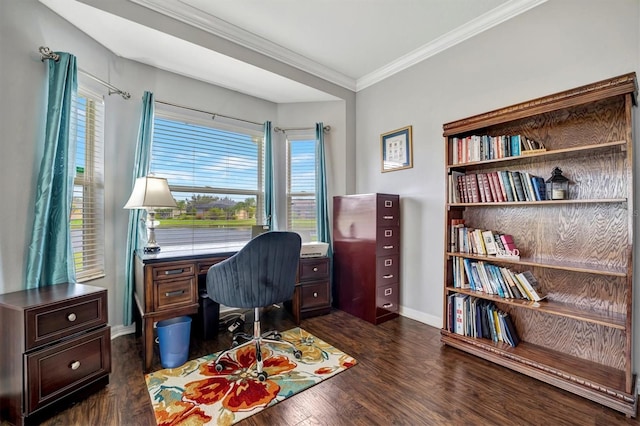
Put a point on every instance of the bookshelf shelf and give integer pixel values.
(580, 250)
(607, 319)
(550, 263)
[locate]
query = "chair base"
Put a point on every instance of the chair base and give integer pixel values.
(257, 339)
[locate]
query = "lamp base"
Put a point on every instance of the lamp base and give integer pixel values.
(152, 249)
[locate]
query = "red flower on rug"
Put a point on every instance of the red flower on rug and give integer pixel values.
(236, 386)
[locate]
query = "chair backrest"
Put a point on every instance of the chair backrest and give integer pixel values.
(262, 273)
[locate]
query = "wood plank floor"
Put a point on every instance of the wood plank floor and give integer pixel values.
(404, 376)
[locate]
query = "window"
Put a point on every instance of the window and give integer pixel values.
(301, 186)
(215, 170)
(87, 209)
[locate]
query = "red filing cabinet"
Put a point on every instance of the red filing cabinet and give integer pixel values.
(366, 245)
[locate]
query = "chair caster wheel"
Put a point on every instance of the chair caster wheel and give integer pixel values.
(234, 343)
(219, 367)
(297, 354)
(262, 376)
(277, 336)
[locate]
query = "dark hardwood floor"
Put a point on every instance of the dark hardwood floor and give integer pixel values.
(404, 376)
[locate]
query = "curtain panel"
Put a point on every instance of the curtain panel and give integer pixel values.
(136, 235)
(323, 224)
(50, 254)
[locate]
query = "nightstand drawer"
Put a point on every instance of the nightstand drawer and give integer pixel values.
(173, 294)
(313, 295)
(60, 369)
(48, 323)
(176, 270)
(312, 269)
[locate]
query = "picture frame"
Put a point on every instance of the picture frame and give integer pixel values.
(397, 149)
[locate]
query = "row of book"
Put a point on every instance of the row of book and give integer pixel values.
(474, 317)
(498, 186)
(480, 148)
(463, 239)
(479, 275)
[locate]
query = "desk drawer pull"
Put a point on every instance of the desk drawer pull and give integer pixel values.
(71, 317)
(388, 276)
(75, 365)
(315, 269)
(174, 271)
(387, 305)
(315, 294)
(387, 247)
(174, 293)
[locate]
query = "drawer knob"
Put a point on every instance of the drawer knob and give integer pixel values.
(71, 317)
(75, 365)
(315, 269)
(315, 294)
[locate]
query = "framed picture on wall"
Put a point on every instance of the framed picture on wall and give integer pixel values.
(397, 149)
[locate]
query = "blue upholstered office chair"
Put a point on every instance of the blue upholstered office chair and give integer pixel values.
(261, 274)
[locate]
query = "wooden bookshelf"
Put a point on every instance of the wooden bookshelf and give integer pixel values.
(580, 249)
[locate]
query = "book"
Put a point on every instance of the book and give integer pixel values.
(500, 195)
(528, 186)
(512, 285)
(515, 145)
(454, 186)
(509, 329)
(532, 286)
(540, 188)
(459, 325)
(489, 242)
(507, 242)
(506, 183)
(519, 189)
(472, 185)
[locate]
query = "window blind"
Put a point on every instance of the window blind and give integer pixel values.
(216, 175)
(301, 186)
(87, 212)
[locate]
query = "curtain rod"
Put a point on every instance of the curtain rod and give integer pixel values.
(325, 129)
(212, 114)
(46, 53)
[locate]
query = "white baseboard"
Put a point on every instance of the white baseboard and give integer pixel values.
(121, 330)
(421, 317)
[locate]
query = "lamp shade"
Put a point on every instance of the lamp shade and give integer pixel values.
(150, 192)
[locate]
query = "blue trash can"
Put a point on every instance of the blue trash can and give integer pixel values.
(173, 336)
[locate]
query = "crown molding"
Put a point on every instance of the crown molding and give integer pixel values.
(470, 29)
(216, 26)
(199, 19)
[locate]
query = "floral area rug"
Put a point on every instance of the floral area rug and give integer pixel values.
(196, 394)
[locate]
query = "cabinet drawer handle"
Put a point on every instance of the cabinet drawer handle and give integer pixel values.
(315, 294)
(71, 317)
(388, 217)
(174, 293)
(387, 305)
(386, 277)
(315, 269)
(174, 271)
(387, 247)
(75, 365)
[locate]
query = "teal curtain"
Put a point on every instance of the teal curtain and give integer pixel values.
(323, 224)
(136, 236)
(50, 255)
(269, 209)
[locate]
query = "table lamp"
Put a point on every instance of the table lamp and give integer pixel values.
(149, 193)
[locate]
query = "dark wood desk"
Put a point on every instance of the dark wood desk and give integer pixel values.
(166, 286)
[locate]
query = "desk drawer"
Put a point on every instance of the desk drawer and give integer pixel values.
(60, 369)
(313, 295)
(203, 267)
(46, 324)
(176, 293)
(173, 271)
(312, 269)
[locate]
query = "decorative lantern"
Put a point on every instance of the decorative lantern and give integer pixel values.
(557, 186)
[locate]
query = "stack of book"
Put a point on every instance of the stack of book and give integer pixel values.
(479, 241)
(481, 148)
(478, 275)
(474, 317)
(495, 187)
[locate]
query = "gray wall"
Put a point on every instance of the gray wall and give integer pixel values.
(26, 25)
(556, 46)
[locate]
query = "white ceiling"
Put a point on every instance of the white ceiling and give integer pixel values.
(352, 43)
